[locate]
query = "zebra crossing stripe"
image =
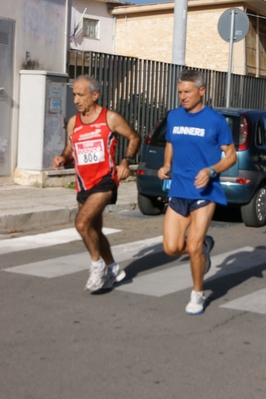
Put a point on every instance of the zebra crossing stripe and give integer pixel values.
(43, 240)
(178, 278)
(255, 302)
(165, 281)
(75, 263)
(157, 283)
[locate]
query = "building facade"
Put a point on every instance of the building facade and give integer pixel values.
(146, 31)
(34, 35)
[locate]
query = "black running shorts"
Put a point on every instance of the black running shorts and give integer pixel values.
(106, 184)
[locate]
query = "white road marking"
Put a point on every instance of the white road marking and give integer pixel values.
(158, 283)
(43, 240)
(255, 302)
(163, 282)
(75, 263)
(178, 278)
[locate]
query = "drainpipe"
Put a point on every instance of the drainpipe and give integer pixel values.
(67, 34)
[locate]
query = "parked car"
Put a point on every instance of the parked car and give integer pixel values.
(244, 184)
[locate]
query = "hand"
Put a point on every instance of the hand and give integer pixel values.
(58, 161)
(163, 173)
(202, 178)
(123, 171)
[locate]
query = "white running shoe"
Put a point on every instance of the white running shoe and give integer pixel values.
(196, 304)
(97, 278)
(114, 275)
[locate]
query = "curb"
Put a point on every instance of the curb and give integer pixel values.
(25, 221)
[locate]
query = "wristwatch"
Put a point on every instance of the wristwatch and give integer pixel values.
(213, 172)
(130, 160)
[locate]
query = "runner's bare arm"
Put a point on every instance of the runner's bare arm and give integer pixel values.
(120, 126)
(163, 172)
(228, 160)
(66, 156)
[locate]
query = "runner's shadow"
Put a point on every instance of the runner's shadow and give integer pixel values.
(147, 259)
(232, 273)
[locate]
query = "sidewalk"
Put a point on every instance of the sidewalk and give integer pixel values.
(26, 208)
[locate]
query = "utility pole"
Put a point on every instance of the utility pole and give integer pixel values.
(179, 34)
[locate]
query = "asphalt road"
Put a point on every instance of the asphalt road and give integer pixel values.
(59, 341)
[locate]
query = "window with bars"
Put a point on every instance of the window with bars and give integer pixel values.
(91, 28)
(256, 45)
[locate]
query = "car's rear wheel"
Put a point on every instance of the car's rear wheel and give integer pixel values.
(254, 213)
(150, 205)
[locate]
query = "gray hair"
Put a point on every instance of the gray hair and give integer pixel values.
(92, 83)
(192, 75)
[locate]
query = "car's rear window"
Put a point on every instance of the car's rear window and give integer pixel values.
(233, 123)
(158, 137)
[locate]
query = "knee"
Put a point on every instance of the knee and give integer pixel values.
(172, 249)
(193, 249)
(80, 225)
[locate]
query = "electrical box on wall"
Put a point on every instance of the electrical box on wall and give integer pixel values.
(41, 133)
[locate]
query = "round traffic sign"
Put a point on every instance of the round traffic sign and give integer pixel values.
(241, 25)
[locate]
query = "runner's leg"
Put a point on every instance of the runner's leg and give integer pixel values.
(200, 221)
(174, 231)
(89, 225)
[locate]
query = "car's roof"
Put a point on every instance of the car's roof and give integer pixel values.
(238, 111)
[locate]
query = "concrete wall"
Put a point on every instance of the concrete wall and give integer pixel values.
(41, 37)
(40, 31)
(95, 10)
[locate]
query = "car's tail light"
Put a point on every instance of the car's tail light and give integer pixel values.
(147, 140)
(140, 172)
(245, 132)
(243, 181)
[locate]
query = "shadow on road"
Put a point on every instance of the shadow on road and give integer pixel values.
(147, 262)
(222, 283)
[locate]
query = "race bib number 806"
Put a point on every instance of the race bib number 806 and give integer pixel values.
(90, 152)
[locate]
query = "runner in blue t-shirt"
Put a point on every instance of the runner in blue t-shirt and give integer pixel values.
(196, 137)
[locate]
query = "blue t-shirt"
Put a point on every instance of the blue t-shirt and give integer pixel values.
(196, 139)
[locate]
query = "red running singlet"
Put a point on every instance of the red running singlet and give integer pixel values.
(93, 147)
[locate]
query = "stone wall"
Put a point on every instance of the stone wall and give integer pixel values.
(149, 35)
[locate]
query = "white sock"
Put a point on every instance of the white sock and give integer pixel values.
(98, 263)
(199, 293)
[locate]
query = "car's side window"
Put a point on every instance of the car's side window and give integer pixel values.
(263, 125)
(260, 136)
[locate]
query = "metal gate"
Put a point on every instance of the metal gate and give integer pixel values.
(143, 90)
(6, 88)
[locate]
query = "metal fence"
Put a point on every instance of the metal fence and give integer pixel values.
(143, 90)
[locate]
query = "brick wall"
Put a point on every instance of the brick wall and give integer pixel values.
(149, 35)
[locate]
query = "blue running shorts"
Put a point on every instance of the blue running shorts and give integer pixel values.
(184, 206)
